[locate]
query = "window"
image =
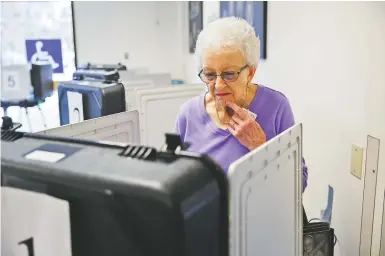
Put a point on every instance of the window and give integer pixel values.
(38, 31)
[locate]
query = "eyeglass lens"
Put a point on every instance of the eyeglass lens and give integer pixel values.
(226, 76)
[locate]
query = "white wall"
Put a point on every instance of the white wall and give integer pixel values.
(210, 12)
(148, 31)
(329, 59)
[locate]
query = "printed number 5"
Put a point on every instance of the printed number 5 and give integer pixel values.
(11, 81)
(29, 244)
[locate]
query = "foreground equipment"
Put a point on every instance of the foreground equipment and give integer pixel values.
(122, 200)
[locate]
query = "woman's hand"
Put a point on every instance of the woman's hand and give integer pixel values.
(244, 128)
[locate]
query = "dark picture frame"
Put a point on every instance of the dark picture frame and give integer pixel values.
(195, 13)
(255, 12)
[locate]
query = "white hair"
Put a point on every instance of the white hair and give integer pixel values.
(229, 32)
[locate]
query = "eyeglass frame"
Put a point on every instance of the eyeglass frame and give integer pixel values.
(221, 75)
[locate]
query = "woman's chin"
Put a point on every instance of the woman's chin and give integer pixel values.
(222, 100)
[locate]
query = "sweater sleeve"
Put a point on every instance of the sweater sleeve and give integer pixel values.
(285, 120)
(180, 126)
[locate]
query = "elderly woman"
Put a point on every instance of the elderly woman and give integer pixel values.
(234, 116)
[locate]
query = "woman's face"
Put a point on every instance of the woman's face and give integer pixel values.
(229, 63)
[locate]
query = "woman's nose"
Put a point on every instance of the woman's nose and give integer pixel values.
(219, 83)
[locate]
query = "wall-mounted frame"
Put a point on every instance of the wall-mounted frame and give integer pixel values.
(195, 13)
(255, 12)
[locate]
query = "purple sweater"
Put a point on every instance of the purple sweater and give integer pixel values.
(195, 126)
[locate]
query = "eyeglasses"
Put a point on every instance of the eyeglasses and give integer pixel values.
(209, 77)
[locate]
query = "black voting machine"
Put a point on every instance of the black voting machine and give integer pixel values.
(115, 208)
(101, 93)
(42, 83)
(105, 67)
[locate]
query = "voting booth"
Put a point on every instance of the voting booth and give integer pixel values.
(149, 201)
(26, 88)
(158, 109)
(42, 80)
(105, 67)
(15, 82)
(122, 127)
(20, 82)
(128, 75)
(91, 94)
(129, 90)
(382, 243)
(161, 79)
(266, 198)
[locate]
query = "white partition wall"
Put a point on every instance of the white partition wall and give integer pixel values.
(382, 243)
(129, 87)
(130, 96)
(160, 79)
(265, 198)
(158, 109)
(122, 127)
(129, 74)
(134, 83)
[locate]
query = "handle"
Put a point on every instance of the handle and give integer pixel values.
(98, 75)
(105, 67)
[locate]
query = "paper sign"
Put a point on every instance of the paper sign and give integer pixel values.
(251, 114)
(11, 80)
(45, 51)
(326, 214)
(75, 107)
(34, 224)
(46, 156)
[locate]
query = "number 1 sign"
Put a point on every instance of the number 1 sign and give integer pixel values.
(34, 224)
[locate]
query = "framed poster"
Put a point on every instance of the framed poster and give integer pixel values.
(255, 12)
(195, 11)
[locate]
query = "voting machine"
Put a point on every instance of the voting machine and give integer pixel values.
(110, 199)
(91, 94)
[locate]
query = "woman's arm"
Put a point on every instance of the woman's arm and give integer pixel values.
(180, 126)
(285, 120)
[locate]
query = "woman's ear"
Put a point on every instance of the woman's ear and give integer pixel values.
(252, 70)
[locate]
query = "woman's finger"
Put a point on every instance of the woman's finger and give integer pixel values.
(234, 132)
(237, 119)
(233, 124)
(231, 129)
(238, 110)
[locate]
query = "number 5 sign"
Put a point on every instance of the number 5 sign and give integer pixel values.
(34, 224)
(11, 81)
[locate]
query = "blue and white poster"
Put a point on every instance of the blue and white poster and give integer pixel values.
(45, 51)
(255, 12)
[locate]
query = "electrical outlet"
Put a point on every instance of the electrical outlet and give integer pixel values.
(356, 161)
